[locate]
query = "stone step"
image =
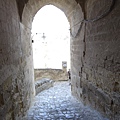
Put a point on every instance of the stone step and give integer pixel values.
(43, 84)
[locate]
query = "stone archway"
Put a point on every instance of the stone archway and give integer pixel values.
(75, 15)
(72, 10)
(86, 75)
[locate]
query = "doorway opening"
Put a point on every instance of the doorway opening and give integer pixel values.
(51, 45)
(51, 38)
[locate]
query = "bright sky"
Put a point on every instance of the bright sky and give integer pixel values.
(55, 48)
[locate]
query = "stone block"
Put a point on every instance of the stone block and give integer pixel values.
(43, 84)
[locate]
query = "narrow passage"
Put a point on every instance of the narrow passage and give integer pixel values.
(57, 103)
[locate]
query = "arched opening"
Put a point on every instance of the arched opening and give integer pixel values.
(51, 47)
(83, 63)
(51, 38)
(74, 14)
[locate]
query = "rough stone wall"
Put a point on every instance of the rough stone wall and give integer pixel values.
(99, 70)
(53, 74)
(77, 49)
(16, 75)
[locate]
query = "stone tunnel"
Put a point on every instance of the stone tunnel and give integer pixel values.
(94, 47)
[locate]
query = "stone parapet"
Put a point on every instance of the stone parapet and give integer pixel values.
(43, 84)
(54, 74)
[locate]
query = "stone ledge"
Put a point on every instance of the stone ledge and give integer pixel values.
(43, 84)
(54, 74)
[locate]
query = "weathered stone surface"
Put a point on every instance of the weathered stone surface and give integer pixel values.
(53, 74)
(16, 73)
(43, 84)
(99, 59)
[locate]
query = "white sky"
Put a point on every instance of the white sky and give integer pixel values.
(55, 48)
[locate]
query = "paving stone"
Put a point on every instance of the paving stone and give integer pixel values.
(57, 103)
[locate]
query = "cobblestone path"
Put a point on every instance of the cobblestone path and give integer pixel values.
(57, 103)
